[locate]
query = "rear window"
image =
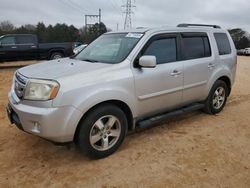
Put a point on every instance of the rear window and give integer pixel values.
(195, 47)
(222, 43)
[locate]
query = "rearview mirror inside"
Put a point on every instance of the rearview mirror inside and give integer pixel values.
(147, 61)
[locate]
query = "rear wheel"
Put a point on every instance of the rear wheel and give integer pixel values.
(217, 98)
(56, 55)
(102, 131)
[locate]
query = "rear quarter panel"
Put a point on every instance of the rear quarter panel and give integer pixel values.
(226, 63)
(45, 49)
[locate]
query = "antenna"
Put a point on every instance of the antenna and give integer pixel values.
(128, 11)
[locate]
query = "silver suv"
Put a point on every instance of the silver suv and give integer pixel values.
(123, 81)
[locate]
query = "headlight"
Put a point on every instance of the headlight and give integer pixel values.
(41, 90)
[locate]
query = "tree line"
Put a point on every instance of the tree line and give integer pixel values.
(69, 33)
(240, 37)
(55, 33)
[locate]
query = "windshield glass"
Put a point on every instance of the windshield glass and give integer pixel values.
(110, 48)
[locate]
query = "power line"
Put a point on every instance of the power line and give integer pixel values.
(80, 7)
(67, 3)
(128, 11)
(116, 6)
(119, 6)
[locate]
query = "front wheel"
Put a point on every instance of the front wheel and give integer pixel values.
(217, 98)
(102, 131)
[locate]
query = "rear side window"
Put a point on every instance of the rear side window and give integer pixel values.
(222, 43)
(163, 49)
(25, 40)
(195, 47)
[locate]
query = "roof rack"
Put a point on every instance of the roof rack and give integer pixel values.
(198, 25)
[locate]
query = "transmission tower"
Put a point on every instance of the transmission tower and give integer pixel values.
(128, 11)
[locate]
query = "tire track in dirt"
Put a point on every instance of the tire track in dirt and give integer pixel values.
(238, 99)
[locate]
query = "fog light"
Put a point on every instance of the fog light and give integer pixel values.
(36, 127)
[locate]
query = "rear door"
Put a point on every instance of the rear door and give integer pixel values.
(199, 64)
(8, 48)
(160, 88)
(27, 46)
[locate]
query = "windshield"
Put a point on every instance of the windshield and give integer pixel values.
(110, 48)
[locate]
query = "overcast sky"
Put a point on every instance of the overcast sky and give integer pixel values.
(148, 13)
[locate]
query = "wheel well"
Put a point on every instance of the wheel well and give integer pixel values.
(227, 81)
(55, 51)
(123, 106)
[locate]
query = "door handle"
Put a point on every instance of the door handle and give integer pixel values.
(211, 65)
(33, 46)
(175, 73)
(13, 47)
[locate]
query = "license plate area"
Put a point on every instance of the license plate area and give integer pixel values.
(13, 117)
(9, 113)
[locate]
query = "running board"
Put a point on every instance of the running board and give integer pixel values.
(163, 117)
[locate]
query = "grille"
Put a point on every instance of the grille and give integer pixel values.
(20, 83)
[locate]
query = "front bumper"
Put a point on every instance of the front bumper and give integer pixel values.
(54, 124)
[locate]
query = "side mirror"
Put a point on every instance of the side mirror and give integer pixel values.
(147, 61)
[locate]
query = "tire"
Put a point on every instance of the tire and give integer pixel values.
(56, 55)
(215, 103)
(94, 138)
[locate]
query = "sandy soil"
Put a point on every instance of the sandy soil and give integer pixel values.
(195, 150)
(16, 64)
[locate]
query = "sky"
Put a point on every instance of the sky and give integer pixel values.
(147, 13)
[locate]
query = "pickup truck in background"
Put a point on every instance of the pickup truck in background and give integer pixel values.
(26, 46)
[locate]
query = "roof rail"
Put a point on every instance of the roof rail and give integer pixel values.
(198, 25)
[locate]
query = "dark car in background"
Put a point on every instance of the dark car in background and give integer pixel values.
(26, 46)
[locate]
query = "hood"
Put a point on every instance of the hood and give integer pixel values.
(60, 68)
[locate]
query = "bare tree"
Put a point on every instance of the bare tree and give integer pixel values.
(6, 26)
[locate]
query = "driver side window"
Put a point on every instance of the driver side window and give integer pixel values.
(164, 49)
(8, 41)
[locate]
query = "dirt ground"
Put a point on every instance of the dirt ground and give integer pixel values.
(195, 150)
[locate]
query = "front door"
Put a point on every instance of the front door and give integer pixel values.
(8, 48)
(160, 88)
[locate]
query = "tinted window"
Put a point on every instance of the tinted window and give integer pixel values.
(207, 47)
(163, 49)
(8, 41)
(222, 43)
(25, 40)
(195, 47)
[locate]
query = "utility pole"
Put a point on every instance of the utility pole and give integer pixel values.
(90, 16)
(100, 14)
(128, 11)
